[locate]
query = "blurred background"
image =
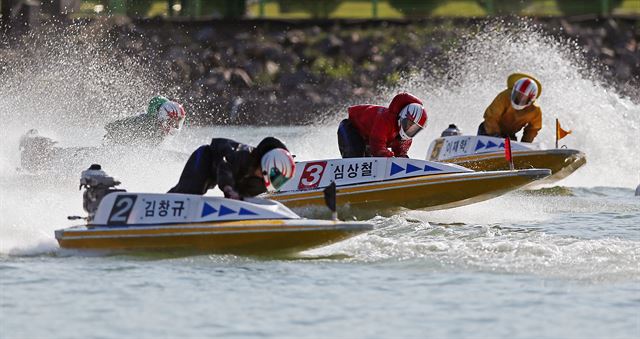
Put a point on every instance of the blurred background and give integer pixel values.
(558, 262)
(288, 61)
(363, 9)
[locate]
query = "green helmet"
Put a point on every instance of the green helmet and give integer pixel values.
(155, 103)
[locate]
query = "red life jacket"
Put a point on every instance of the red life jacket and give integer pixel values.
(378, 126)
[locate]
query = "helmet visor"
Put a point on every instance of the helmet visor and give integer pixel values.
(276, 178)
(409, 127)
(521, 99)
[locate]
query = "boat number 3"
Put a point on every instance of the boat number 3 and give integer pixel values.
(312, 174)
(122, 207)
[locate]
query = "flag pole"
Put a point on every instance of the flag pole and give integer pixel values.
(507, 152)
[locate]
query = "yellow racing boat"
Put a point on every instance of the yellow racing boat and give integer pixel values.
(123, 221)
(484, 153)
(369, 186)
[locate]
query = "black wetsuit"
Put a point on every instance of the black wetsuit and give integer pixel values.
(225, 162)
(350, 142)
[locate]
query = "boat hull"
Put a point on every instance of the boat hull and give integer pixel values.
(561, 162)
(236, 237)
(429, 192)
(485, 153)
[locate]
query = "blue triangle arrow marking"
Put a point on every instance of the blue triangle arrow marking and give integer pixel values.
(501, 145)
(490, 144)
(428, 168)
(479, 145)
(412, 168)
(207, 209)
(246, 212)
(395, 168)
(225, 210)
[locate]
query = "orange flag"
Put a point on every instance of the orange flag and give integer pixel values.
(560, 133)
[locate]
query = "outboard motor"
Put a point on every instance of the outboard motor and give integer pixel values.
(451, 131)
(97, 184)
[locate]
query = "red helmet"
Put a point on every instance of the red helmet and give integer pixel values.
(525, 92)
(412, 119)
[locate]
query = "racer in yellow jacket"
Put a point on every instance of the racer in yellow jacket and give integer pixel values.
(513, 109)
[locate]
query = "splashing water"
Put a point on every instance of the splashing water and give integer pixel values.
(605, 125)
(60, 97)
(72, 77)
(518, 266)
(65, 82)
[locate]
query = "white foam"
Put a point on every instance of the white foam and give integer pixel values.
(70, 100)
(605, 125)
(502, 250)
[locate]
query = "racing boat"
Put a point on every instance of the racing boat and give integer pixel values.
(123, 221)
(376, 185)
(41, 155)
(484, 153)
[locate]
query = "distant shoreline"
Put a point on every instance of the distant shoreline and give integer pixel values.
(263, 71)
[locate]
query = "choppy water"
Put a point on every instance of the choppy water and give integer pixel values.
(558, 262)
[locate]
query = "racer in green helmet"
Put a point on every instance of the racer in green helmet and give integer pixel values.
(163, 117)
(155, 103)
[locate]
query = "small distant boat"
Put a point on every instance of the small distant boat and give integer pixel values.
(40, 155)
(484, 153)
(382, 185)
(124, 221)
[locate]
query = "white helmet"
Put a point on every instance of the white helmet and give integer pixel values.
(452, 130)
(412, 119)
(277, 168)
(171, 115)
(525, 92)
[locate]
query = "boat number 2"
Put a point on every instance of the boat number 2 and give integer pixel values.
(122, 207)
(312, 174)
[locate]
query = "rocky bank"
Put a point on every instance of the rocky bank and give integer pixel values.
(288, 72)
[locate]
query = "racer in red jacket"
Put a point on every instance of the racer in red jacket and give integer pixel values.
(372, 130)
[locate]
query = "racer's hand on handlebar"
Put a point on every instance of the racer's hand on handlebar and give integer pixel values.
(230, 193)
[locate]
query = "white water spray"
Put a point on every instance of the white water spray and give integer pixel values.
(605, 125)
(67, 83)
(71, 96)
